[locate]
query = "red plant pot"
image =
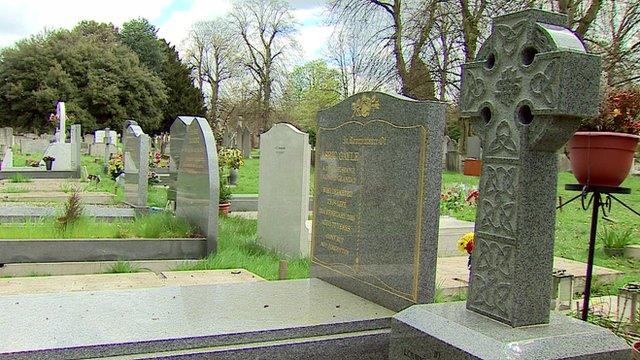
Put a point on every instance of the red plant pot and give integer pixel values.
(602, 158)
(223, 209)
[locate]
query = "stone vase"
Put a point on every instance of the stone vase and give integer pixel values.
(602, 158)
(49, 164)
(233, 176)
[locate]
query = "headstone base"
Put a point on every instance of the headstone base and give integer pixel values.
(450, 331)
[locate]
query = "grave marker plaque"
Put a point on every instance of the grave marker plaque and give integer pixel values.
(378, 170)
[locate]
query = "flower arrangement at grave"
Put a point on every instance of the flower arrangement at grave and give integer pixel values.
(32, 163)
(115, 166)
(48, 158)
(602, 151)
(231, 158)
(157, 160)
(153, 178)
(456, 197)
(466, 244)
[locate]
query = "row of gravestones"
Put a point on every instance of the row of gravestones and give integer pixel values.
(375, 236)
(240, 139)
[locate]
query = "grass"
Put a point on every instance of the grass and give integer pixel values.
(20, 160)
(19, 178)
(237, 248)
(160, 225)
(14, 190)
(123, 267)
(249, 174)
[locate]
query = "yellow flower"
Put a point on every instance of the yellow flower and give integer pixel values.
(464, 241)
(616, 112)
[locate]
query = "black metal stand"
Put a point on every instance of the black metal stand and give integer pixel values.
(599, 203)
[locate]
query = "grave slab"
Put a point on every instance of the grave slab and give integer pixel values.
(450, 331)
(231, 318)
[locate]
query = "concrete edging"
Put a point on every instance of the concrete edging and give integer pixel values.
(74, 250)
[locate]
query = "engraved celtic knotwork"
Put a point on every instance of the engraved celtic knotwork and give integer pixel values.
(503, 144)
(544, 84)
(474, 89)
(508, 86)
(493, 287)
(498, 200)
(510, 35)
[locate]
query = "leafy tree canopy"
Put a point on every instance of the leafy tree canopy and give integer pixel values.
(100, 79)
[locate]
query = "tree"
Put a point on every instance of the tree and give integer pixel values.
(101, 80)
(266, 28)
(364, 65)
(310, 87)
(183, 98)
(141, 37)
(214, 58)
(406, 31)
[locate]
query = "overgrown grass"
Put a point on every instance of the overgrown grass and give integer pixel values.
(160, 225)
(237, 248)
(19, 178)
(123, 267)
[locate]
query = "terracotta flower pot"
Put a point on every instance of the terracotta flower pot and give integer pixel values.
(602, 158)
(636, 350)
(472, 167)
(224, 209)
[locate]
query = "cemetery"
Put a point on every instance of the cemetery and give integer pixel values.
(376, 233)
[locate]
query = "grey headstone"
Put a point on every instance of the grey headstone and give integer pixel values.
(474, 148)
(524, 108)
(6, 136)
(136, 164)
(246, 143)
(283, 205)
(378, 174)
(178, 132)
(76, 145)
(198, 181)
(453, 161)
(107, 141)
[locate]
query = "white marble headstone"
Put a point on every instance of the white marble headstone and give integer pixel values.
(283, 202)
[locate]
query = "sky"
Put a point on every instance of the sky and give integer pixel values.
(21, 18)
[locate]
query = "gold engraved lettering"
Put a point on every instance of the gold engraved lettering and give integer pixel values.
(364, 141)
(330, 155)
(334, 248)
(335, 238)
(338, 203)
(337, 192)
(336, 225)
(349, 156)
(340, 178)
(337, 214)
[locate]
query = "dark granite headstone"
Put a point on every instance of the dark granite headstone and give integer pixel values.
(198, 181)
(378, 172)
(530, 85)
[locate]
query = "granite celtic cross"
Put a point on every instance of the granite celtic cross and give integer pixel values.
(530, 85)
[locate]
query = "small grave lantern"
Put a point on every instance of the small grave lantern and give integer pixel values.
(562, 289)
(628, 300)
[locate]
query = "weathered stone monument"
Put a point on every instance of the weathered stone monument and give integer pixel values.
(104, 144)
(283, 204)
(474, 147)
(373, 235)
(76, 147)
(6, 157)
(136, 164)
(6, 136)
(530, 85)
(198, 182)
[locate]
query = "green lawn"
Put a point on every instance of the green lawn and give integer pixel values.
(237, 248)
(160, 225)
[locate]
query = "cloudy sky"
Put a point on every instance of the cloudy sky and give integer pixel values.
(21, 18)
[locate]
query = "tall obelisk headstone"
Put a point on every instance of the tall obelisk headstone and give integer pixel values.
(531, 84)
(62, 118)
